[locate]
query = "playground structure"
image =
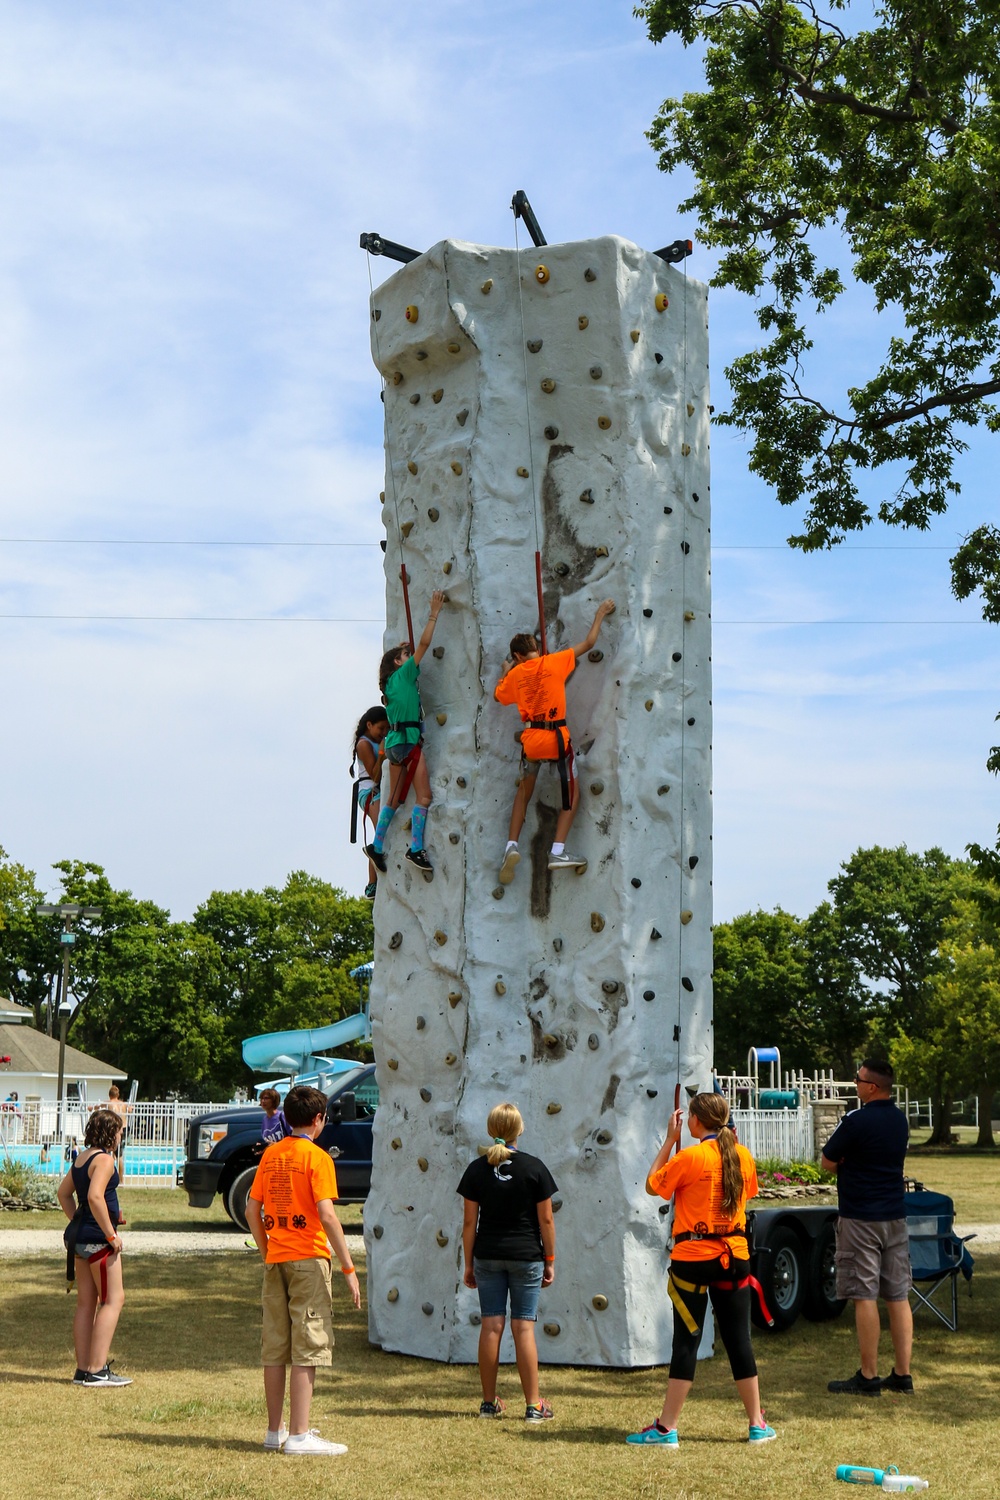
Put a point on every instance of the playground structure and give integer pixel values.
(554, 401)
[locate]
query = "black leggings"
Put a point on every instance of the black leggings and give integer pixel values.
(731, 1309)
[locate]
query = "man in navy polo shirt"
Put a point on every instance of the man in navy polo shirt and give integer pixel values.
(867, 1151)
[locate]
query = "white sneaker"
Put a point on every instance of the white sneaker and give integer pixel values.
(273, 1440)
(511, 860)
(567, 862)
(311, 1442)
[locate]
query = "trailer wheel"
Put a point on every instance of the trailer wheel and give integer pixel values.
(821, 1300)
(782, 1278)
(237, 1195)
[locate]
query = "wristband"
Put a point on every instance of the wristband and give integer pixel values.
(549, 1259)
(347, 1270)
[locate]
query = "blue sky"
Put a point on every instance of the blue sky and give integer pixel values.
(184, 359)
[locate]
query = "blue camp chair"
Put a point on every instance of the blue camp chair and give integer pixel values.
(937, 1254)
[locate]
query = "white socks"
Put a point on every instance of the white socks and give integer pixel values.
(558, 848)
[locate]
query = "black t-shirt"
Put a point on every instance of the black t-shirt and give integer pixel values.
(508, 1198)
(870, 1145)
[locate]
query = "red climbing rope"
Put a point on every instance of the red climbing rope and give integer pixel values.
(406, 600)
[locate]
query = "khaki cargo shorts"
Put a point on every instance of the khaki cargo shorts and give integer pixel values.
(873, 1260)
(297, 1322)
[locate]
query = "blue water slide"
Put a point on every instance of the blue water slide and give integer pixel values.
(306, 1051)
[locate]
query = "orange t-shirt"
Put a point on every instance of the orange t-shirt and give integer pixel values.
(294, 1175)
(538, 687)
(693, 1178)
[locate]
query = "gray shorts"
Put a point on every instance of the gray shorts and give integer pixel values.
(873, 1260)
(397, 754)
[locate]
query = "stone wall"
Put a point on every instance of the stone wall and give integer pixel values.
(585, 999)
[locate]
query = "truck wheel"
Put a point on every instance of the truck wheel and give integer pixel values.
(821, 1300)
(782, 1277)
(237, 1195)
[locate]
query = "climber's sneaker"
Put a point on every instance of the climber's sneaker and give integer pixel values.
(370, 890)
(660, 1437)
(511, 860)
(567, 862)
(377, 857)
(495, 1408)
(764, 1434)
(419, 858)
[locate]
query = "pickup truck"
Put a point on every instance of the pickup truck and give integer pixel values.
(225, 1147)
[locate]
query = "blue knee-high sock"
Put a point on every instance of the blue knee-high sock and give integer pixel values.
(385, 817)
(418, 820)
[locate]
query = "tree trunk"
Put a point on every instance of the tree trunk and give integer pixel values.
(941, 1134)
(985, 1097)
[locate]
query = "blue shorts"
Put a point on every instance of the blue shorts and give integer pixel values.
(521, 1280)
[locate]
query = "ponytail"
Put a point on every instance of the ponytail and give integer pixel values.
(713, 1111)
(504, 1124)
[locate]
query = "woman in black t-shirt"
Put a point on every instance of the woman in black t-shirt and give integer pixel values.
(509, 1238)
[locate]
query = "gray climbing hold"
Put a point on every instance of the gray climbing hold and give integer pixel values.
(460, 781)
(475, 1319)
(557, 945)
(589, 275)
(427, 1307)
(534, 345)
(587, 496)
(593, 1041)
(596, 372)
(562, 570)
(649, 994)
(434, 514)
(415, 399)
(377, 1231)
(461, 417)
(610, 986)
(654, 935)
(421, 1023)
(421, 353)
(551, 433)
(556, 1205)
(453, 838)
(441, 1238)
(597, 787)
(438, 653)
(395, 940)
(498, 893)
(661, 791)
(425, 1095)
(595, 655)
(436, 396)
(604, 1138)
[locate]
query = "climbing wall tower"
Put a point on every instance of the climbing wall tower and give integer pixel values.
(564, 388)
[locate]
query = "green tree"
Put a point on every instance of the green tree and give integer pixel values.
(29, 946)
(761, 990)
(880, 140)
(843, 1004)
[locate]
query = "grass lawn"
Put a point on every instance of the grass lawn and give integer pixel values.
(191, 1426)
(163, 1209)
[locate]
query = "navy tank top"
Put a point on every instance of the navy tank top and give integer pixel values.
(89, 1231)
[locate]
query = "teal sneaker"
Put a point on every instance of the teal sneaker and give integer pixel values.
(761, 1434)
(660, 1437)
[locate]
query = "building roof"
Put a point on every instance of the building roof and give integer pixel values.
(33, 1052)
(11, 1014)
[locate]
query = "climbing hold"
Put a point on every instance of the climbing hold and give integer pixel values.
(689, 614)
(436, 395)
(456, 467)
(397, 377)
(634, 335)
(487, 287)
(381, 495)
(562, 570)
(542, 274)
(454, 348)
(412, 313)
(392, 1295)
(550, 1039)
(475, 1319)
(522, 473)
(451, 1058)
(685, 450)
(548, 386)
(557, 945)
(589, 275)
(454, 997)
(686, 917)
(668, 510)
(587, 496)
(556, 1205)
(376, 314)
(692, 861)
(597, 787)
(685, 548)
(534, 345)
(440, 938)
(498, 893)
(433, 513)
(406, 528)
(582, 322)
(604, 1137)
(460, 781)
(648, 614)
(658, 358)
(694, 497)
(441, 718)
(690, 409)
(686, 983)
(610, 986)
(636, 881)
(551, 433)
(453, 838)
(596, 372)
(604, 423)
(600, 1301)
(425, 1095)
(662, 301)
(552, 1329)
(396, 1143)
(421, 1022)
(395, 940)
(415, 399)
(441, 1238)
(675, 656)
(421, 353)
(461, 417)
(500, 987)
(649, 705)
(593, 1041)
(423, 1163)
(377, 1231)
(652, 1093)
(649, 994)
(690, 722)
(392, 1062)
(596, 922)
(655, 935)
(553, 1108)
(411, 466)
(600, 551)
(446, 567)
(661, 791)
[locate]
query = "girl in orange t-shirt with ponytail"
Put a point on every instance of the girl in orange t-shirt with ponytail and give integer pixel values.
(710, 1183)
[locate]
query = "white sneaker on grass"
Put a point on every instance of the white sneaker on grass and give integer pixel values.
(273, 1440)
(311, 1443)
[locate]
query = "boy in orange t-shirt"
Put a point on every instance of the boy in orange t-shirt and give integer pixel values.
(291, 1216)
(536, 684)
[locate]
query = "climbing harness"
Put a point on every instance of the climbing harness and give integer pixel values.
(365, 782)
(675, 1286)
(564, 757)
(100, 1257)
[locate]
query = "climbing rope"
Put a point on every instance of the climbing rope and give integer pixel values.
(543, 642)
(391, 465)
(682, 840)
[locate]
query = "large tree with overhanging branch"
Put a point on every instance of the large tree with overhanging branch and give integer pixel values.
(876, 136)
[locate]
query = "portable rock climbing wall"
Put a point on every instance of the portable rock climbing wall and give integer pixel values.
(568, 384)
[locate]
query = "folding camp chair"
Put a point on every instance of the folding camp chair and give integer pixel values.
(937, 1253)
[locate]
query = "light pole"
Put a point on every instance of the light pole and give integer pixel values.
(69, 912)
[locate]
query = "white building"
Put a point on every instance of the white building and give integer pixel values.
(29, 1069)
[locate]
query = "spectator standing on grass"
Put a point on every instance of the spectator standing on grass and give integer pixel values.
(94, 1249)
(867, 1151)
(291, 1216)
(509, 1240)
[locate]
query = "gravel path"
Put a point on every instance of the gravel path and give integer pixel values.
(148, 1242)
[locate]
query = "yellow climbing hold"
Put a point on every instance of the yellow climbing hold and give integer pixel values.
(446, 567)
(553, 1108)
(649, 705)
(456, 467)
(406, 527)
(454, 348)
(541, 274)
(436, 396)
(634, 335)
(583, 321)
(662, 301)
(600, 1301)
(500, 987)
(600, 551)
(689, 614)
(596, 922)
(441, 718)
(422, 1163)
(441, 1238)
(412, 313)
(604, 423)
(411, 466)
(393, 1063)
(454, 998)
(396, 1143)
(381, 495)
(550, 1039)
(685, 449)
(392, 1295)
(451, 1058)
(433, 514)
(548, 386)
(690, 409)
(487, 287)
(522, 473)
(440, 938)
(686, 917)
(397, 378)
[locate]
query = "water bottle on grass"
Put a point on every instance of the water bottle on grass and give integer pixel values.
(889, 1479)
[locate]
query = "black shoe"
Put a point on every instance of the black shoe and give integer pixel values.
(419, 858)
(858, 1385)
(901, 1384)
(103, 1378)
(80, 1377)
(377, 857)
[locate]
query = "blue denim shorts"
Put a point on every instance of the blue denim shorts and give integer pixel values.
(521, 1280)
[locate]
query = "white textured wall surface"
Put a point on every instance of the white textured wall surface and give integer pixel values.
(564, 993)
